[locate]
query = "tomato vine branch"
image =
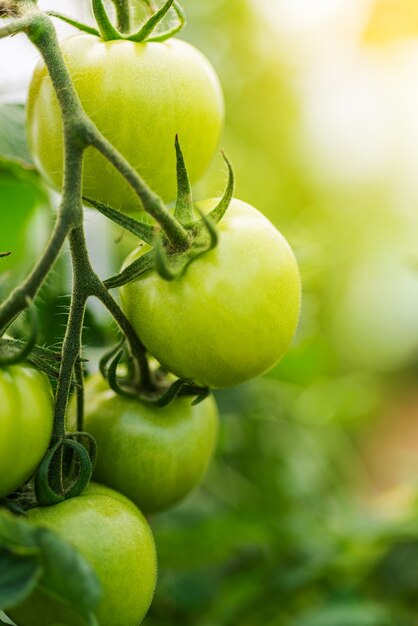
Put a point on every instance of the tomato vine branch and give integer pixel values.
(79, 133)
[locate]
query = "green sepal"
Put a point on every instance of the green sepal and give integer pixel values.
(108, 356)
(219, 211)
(149, 26)
(45, 493)
(202, 396)
(134, 226)
(184, 204)
(180, 387)
(176, 29)
(163, 262)
(88, 441)
(107, 31)
(112, 376)
(79, 25)
(210, 228)
(140, 266)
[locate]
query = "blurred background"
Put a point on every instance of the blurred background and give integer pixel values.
(309, 514)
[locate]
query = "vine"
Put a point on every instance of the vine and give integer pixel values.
(79, 134)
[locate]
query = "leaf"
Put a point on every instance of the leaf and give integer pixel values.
(31, 556)
(66, 574)
(17, 535)
(13, 142)
(18, 577)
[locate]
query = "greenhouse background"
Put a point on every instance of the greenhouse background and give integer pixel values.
(309, 514)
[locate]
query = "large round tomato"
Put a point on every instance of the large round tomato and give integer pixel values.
(26, 418)
(139, 95)
(155, 456)
(232, 314)
(114, 537)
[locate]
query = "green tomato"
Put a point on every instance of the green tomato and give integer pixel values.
(26, 419)
(155, 456)
(232, 314)
(114, 537)
(139, 95)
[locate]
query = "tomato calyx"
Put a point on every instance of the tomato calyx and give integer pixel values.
(164, 390)
(74, 455)
(108, 32)
(171, 262)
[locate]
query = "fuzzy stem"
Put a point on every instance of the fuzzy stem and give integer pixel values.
(72, 340)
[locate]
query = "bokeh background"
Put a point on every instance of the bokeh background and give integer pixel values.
(309, 514)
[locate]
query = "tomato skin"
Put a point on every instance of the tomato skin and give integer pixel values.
(139, 95)
(114, 537)
(232, 314)
(26, 420)
(155, 456)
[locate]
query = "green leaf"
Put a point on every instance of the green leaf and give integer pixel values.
(31, 556)
(18, 577)
(17, 535)
(66, 574)
(13, 142)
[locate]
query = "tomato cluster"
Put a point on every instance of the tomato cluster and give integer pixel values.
(227, 318)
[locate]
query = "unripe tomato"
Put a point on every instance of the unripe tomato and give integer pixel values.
(153, 455)
(232, 314)
(26, 419)
(114, 537)
(139, 95)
